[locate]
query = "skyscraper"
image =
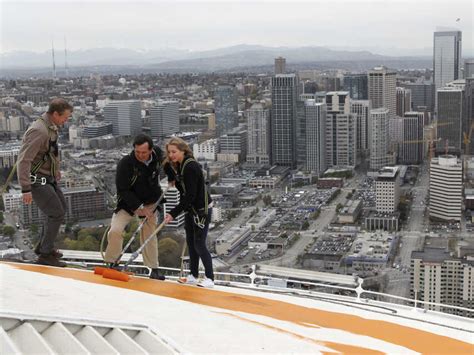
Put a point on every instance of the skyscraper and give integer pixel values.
(356, 85)
(403, 101)
(280, 65)
(411, 148)
(258, 129)
(361, 109)
(315, 117)
(446, 188)
(164, 119)
(422, 95)
(341, 145)
(382, 89)
(446, 57)
(469, 68)
(452, 108)
(226, 109)
(283, 119)
(379, 123)
(125, 117)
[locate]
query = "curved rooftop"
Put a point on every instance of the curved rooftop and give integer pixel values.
(227, 319)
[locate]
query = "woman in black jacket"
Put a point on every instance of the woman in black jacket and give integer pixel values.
(186, 175)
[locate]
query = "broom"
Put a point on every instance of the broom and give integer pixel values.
(123, 275)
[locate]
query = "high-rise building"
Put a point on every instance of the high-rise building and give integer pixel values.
(403, 101)
(172, 197)
(234, 142)
(445, 188)
(361, 109)
(96, 129)
(387, 190)
(226, 109)
(341, 145)
(422, 95)
(315, 123)
(9, 154)
(206, 150)
(382, 89)
(164, 119)
(356, 85)
(283, 119)
(446, 57)
(411, 149)
(452, 107)
(125, 117)
(258, 129)
(82, 203)
(379, 138)
(468, 68)
(443, 276)
(280, 65)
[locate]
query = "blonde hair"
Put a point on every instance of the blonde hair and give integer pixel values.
(181, 145)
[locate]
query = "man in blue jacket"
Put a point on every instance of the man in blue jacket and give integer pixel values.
(138, 190)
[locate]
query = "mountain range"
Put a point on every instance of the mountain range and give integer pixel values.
(239, 56)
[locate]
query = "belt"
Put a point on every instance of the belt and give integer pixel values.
(41, 180)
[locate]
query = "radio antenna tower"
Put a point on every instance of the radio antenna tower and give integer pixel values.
(54, 62)
(65, 57)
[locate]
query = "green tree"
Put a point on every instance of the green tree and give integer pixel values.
(169, 252)
(1, 217)
(305, 225)
(34, 229)
(9, 231)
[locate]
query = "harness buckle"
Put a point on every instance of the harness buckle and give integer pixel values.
(35, 179)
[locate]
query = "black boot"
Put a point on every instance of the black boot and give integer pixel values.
(155, 275)
(56, 253)
(50, 260)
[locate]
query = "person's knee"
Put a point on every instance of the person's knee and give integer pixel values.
(58, 215)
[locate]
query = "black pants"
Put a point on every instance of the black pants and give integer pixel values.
(50, 200)
(196, 241)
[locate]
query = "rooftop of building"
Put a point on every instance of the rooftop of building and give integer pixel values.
(226, 319)
(388, 172)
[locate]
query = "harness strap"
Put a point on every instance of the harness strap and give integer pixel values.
(49, 154)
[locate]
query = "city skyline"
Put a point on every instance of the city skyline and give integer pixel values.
(199, 25)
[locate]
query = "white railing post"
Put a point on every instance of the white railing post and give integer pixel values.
(359, 288)
(253, 276)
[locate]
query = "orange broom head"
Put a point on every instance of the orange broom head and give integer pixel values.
(99, 270)
(115, 275)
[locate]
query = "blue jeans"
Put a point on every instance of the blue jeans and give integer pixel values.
(196, 241)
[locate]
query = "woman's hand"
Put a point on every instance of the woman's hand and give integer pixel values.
(168, 218)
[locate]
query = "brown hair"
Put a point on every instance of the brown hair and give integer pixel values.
(181, 145)
(59, 105)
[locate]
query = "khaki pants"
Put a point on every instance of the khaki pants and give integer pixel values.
(120, 220)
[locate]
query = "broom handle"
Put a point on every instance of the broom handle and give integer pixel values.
(140, 227)
(139, 250)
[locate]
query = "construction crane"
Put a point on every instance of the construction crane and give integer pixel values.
(467, 143)
(467, 139)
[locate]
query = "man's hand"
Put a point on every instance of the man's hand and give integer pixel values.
(27, 197)
(168, 218)
(171, 183)
(145, 212)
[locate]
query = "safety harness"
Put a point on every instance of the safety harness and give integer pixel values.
(50, 155)
(136, 173)
(199, 218)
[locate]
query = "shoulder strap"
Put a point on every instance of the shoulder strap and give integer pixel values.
(184, 187)
(35, 168)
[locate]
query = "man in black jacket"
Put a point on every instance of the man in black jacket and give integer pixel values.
(138, 190)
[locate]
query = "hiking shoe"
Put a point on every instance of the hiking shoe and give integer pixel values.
(155, 275)
(56, 253)
(189, 280)
(50, 260)
(205, 282)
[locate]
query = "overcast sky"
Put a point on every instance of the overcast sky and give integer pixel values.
(377, 25)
